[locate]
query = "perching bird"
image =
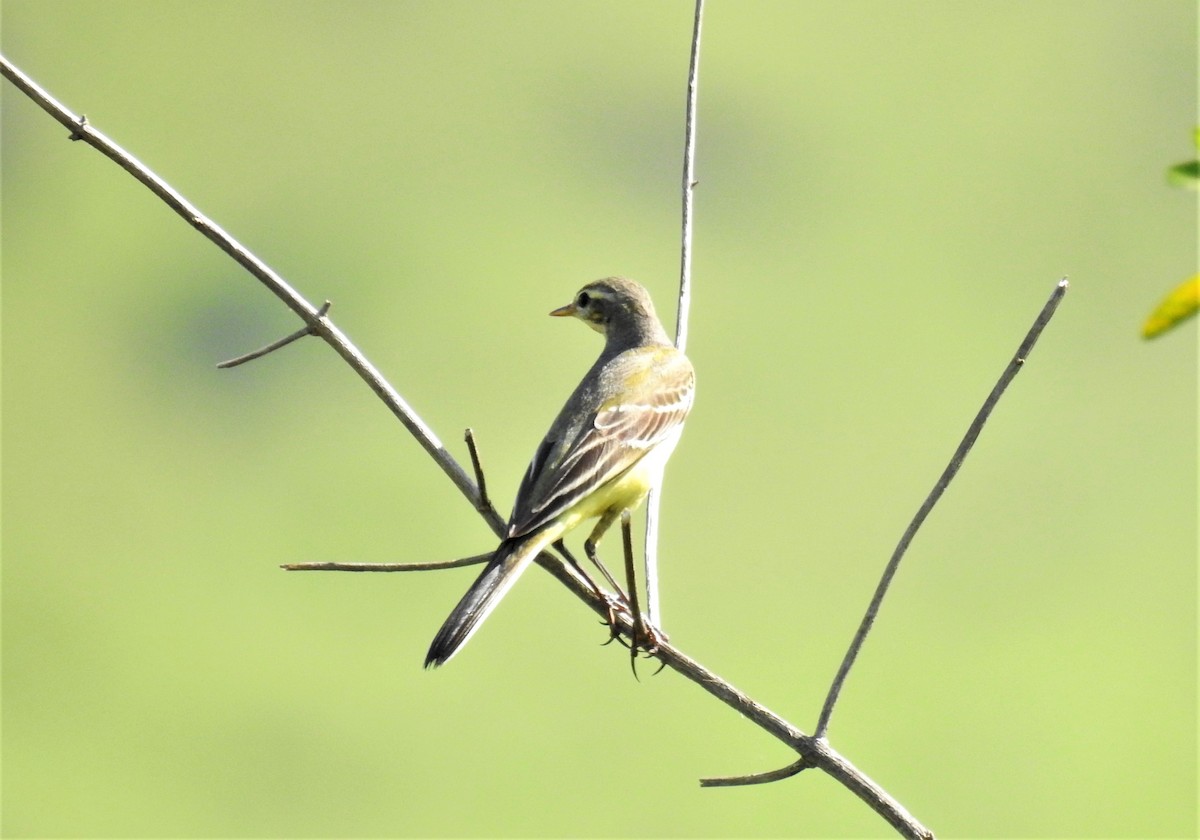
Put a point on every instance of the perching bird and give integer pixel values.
(603, 453)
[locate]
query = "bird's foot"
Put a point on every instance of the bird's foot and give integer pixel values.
(647, 639)
(617, 608)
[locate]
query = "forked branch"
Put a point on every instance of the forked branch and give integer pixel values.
(956, 461)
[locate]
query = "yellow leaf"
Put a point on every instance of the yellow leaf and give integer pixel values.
(1181, 303)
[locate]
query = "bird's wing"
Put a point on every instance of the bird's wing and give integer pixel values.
(656, 397)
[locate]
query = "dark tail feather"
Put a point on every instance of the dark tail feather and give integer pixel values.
(502, 571)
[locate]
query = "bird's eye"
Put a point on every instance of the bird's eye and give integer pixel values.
(583, 300)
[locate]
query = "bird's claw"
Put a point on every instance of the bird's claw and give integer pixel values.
(645, 638)
(615, 607)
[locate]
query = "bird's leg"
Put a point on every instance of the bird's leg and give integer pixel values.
(644, 636)
(614, 602)
(570, 558)
(589, 546)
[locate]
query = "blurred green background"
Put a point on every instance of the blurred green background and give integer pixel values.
(888, 193)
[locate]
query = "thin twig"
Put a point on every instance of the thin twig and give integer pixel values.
(654, 499)
(956, 461)
(792, 769)
(275, 345)
(815, 750)
(477, 465)
(473, 560)
(689, 185)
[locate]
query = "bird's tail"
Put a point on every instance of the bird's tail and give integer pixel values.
(506, 565)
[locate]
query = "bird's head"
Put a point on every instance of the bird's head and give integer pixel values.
(618, 309)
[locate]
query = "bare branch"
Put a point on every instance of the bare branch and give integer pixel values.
(689, 185)
(956, 461)
(274, 345)
(792, 769)
(815, 751)
(473, 560)
(484, 502)
(654, 499)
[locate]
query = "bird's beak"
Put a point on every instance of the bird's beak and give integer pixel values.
(563, 311)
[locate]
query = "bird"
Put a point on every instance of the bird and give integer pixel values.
(604, 451)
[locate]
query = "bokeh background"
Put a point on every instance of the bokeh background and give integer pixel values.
(888, 193)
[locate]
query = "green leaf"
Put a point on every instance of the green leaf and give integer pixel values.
(1185, 175)
(1179, 305)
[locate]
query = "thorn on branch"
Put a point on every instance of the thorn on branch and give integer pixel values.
(78, 135)
(309, 329)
